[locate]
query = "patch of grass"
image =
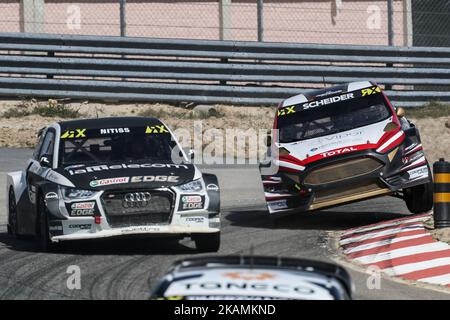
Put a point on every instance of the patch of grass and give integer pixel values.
(52, 108)
(59, 110)
(433, 109)
(182, 114)
(152, 112)
(15, 113)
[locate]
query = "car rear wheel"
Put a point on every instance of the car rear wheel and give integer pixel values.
(207, 242)
(42, 230)
(12, 214)
(419, 199)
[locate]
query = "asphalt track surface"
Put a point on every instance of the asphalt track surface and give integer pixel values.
(127, 269)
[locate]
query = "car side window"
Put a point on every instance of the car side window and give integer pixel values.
(47, 144)
(38, 146)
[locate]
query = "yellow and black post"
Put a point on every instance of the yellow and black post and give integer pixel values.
(441, 172)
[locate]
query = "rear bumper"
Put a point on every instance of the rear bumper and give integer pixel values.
(288, 193)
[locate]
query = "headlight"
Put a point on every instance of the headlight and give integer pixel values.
(193, 186)
(72, 193)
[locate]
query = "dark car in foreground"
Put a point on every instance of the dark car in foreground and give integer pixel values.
(112, 177)
(253, 278)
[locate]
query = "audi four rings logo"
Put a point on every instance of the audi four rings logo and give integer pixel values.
(136, 200)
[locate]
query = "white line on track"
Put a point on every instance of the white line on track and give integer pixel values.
(416, 266)
(383, 243)
(384, 225)
(371, 235)
(402, 252)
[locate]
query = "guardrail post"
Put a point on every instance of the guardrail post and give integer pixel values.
(260, 9)
(123, 18)
(32, 16)
(441, 172)
(225, 19)
(390, 11)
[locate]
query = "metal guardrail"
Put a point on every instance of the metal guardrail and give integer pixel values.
(173, 70)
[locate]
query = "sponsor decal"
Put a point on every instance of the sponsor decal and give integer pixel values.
(212, 187)
(140, 229)
(338, 151)
(191, 202)
(51, 195)
(82, 212)
(327, 101)
(114, 130)
(370, 91)
(195, 219)
(418, 172)
(83, 205)
(156, 129)
(109, 181)
(286, 111)
(80, 209)
(105, 167)
(154, 179)
(55, 228)
(77, 133)
(191, 199)
(80, 226)
(239, 286)
(192, 206)
(278, 204)
(249, 275)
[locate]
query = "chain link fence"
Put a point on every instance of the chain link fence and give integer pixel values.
(396, 22)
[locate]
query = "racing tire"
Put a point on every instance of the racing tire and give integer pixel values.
(12, 214)
(207, 242)
(419, 199)
(42, 230)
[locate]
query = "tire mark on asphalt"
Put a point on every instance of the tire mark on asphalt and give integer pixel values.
(32, 278)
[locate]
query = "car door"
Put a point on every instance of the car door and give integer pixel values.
(36, 173)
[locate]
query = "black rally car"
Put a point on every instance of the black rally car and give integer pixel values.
(112, 177)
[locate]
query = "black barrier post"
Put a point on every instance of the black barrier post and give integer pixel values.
(441, 172)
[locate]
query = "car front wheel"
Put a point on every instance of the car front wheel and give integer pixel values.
(42, 230)
(12, 214)
(419, 199)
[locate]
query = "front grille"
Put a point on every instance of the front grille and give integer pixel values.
(157, 210)
(342, 170)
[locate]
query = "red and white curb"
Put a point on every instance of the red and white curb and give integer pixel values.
(399, 248)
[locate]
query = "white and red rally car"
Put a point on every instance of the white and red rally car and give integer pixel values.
(343, 144)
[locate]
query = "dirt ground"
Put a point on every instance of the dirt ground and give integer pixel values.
(21, 131)
(442, 234)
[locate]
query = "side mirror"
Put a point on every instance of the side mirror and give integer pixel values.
(45, 161)
(400, 112)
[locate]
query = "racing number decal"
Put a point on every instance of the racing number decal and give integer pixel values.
(369, 91)
(77, 133)
(285, 111)
(156, 129)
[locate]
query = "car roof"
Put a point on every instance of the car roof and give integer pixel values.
(312, 94)
(107, 122)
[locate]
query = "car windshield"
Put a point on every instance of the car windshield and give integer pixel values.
(115, 145)
(332, 118)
